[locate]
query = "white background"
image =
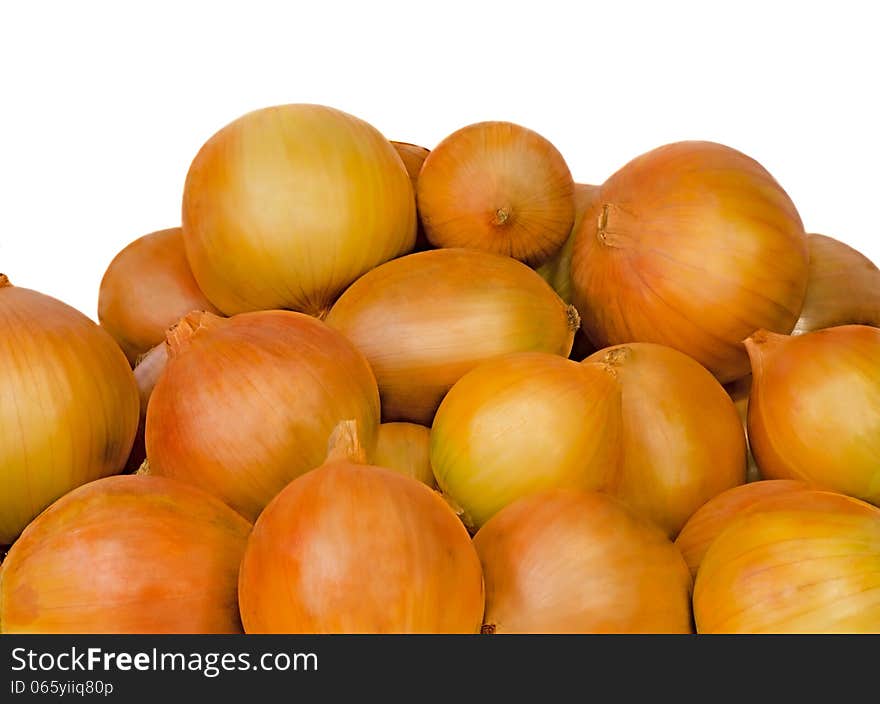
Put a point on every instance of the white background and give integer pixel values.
(104, 104)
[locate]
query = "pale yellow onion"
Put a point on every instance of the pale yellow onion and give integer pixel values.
(286, 206)
(404, 447)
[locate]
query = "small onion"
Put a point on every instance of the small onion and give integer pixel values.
(404, 447)
(147, 370)
(497, 187)
(739, 393)
(843, 288)
(352, 548)
(793, 571)
(425, 320)
(578, 562)
(286, 206)
(693, 245)
(68, 404)
(413, 156)
(126, 555)
(642, 422)
(814, 411)
(246, 404)
(146, 289)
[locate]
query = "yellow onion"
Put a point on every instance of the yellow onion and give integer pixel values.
(146, 289)
(286, 206)
(147, 370)
(693, 245)
(843, 287)
(425, 320)
(126, 554)
(413, 156)
(404, 447)
(353, 548)
(642, 422)
(247, 403)
(814, 411)
(68, 404)
(739, 394)
(500, 188)
(578, 562)
(793, 571)
(556, 271)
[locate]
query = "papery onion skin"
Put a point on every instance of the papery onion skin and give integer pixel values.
(246, 404)
(353, 548)
(497, 187)
(579, 562)
(68, 404)
(286, 206)
(405, 448)
(425, 320)
(793, 571)
(413, 156)
(126, 554)
(843, 287)
(814, 410)
(692, 245)
(146, 289)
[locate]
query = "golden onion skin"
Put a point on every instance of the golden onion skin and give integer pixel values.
(130, 554)
(68, 404)
(497, 187)
(286, 206)
(425, 320)
(405, 448)
(793, 571)
(814, 410)
(246, 404)
(579, 562)
(695, 246)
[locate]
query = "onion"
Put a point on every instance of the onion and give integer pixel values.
(246, 404)
(146, 289)
(578, 562)
(126, 554)
(147, 370)
(425, 320)
(642, 422)
(739, 394)
(286, 206)
(497, 187)
(814, 412)
(404, 447)
(843, 288)
(413, 156)
(793, 571)
(350, 548)
(68, 404)
(695, 246)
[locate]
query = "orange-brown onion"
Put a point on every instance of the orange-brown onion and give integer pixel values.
(353, 548)
(500, 188)
(68, 404)
(578, 562)
(247, 403)
(693, 245)
(146, 289)
(814, 410)
(642, 422)
(426, 319)
(413, 156)
(843, 287)
(739, 393)
(404, 447)
(130, 554)
(286, 206)
(147, 370)
(793, 571)
(556, 271)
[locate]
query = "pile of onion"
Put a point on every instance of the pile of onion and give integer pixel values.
(426, 319)
(405, 448)
(642, 422)
(286, 206)
(68, 404)
(353, 548)
(579, 562)
(126, 554)
(814, 410)
(693, 245)
(146, 289)
(413, 156)
(246, 404)
(500, 188)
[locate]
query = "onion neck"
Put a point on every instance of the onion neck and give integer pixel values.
(179, 336)
(762, 344)
(345, 444)
(614, 225)
(4, 281)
